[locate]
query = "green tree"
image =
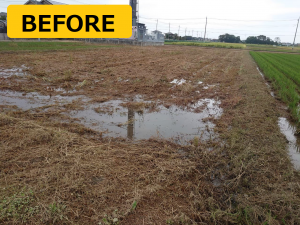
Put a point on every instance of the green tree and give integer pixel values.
(261, 39)
(229, 38)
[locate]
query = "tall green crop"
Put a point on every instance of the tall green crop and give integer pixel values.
(284, 76)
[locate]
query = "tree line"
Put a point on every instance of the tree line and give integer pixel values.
(230, 38)
(261, 39)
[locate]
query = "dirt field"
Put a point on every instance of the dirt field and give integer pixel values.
(56, 169)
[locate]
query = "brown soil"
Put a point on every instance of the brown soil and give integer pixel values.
(71, 176)
(128, 71)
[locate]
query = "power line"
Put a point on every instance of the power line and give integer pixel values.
(171, 19)
(222, 19)
(221, 29)
(165, 30)
(254, 20)
(227, 24)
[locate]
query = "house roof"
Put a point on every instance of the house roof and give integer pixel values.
(54, 2)
(43, 2)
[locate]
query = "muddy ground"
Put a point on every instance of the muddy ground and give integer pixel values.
(56, 169)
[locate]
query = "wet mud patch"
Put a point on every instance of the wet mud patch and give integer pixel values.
(33, 100)
(145, 120)
(134, 120)
(289, 131)
(270, 88)
(15, 71)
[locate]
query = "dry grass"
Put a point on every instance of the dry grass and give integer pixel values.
(91, 179)
(66, 174)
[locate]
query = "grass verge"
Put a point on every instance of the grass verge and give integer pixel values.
(271, 48)
(283, 72)
(47, 46)
(212, 44)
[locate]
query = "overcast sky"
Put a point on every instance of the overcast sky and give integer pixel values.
(273, 18)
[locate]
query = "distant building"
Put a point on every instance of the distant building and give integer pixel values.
(3, 26)
(286, 44)
(169, 35)
(3, 14)
(156, 34)
(43, 2)
(141, 31)
(188, 38)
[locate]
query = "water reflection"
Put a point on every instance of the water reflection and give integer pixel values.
(130, 125)
(32, 100)
(178, 124)
(289, 132)
(114, 120)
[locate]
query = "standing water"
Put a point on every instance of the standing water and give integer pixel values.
(180, 125)
(117, 119)
(289, 132)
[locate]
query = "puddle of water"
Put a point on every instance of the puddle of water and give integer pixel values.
(289, 132)
(60, 89)
(271, 92)
(172, 123)
(17, 71)
(209, 86)
(121, 80)
(178, 82)
(263, 76)
(32, 100)
(179, 124)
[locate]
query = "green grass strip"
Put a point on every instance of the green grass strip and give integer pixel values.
(286, 89)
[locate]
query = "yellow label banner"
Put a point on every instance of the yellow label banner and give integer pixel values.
(69, 21)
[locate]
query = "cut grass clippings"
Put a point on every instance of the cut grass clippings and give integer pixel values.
(64, 173)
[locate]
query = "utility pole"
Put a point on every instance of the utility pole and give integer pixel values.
(178, 32)
(205, 29)
(296, 34)
(169, 27)
(192, 33)
(156, 24)
(185, 31)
